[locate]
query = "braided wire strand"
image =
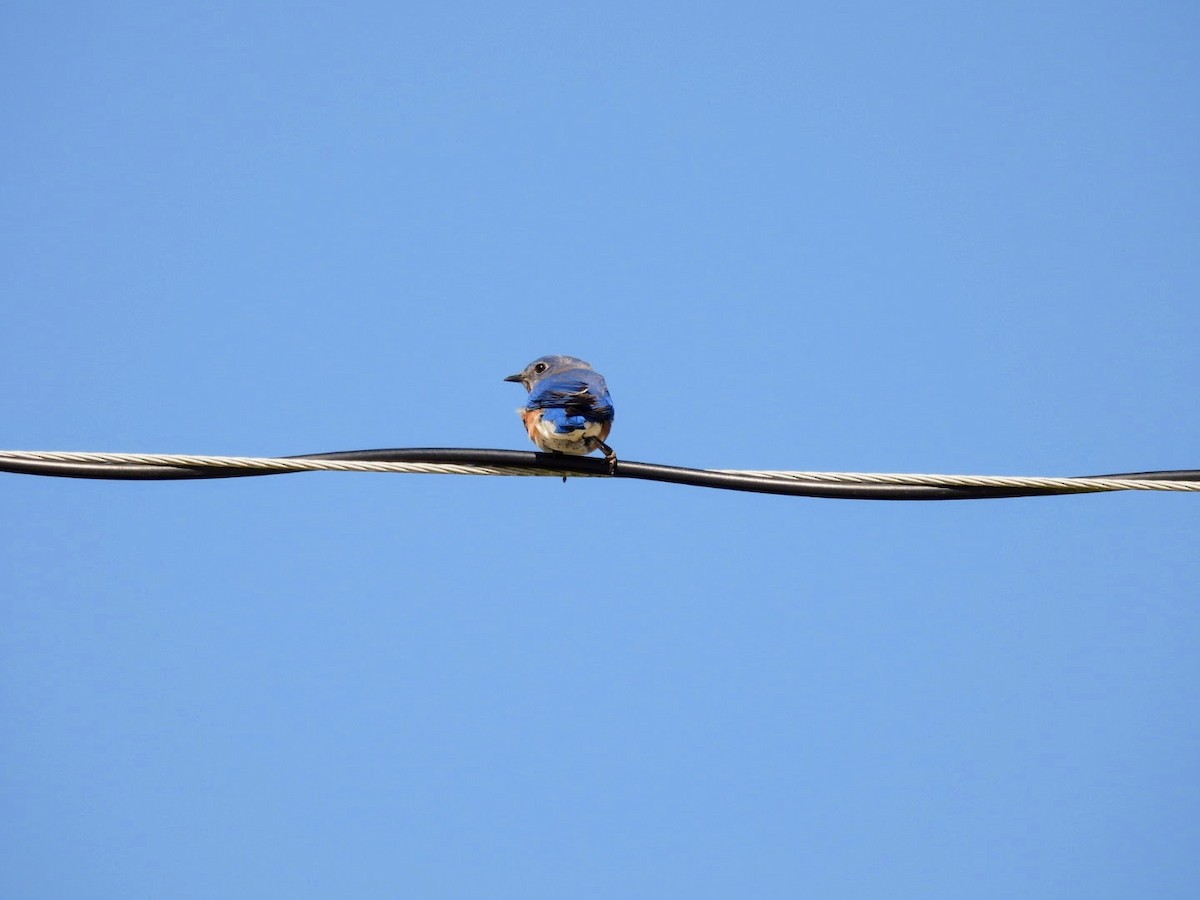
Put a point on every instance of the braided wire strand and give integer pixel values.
(295, 464)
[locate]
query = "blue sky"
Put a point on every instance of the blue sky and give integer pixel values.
(920, 237)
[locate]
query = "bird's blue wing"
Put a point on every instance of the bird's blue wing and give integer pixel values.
(563, 421)
(579, 393)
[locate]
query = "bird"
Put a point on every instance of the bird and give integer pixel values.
(569, 409)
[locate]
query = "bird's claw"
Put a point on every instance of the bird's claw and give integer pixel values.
(609, 454)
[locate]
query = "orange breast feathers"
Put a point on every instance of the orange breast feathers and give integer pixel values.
(531, 418)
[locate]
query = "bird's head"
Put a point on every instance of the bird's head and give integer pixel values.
(544, 367)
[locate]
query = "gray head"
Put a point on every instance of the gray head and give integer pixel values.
(545, 366)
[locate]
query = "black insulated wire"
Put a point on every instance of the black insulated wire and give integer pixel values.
(569, 465)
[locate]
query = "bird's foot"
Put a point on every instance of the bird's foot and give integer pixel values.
(609, 453)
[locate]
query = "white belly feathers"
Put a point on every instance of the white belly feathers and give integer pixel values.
(546, 436)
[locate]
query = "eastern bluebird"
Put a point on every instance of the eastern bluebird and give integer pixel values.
(569, 409)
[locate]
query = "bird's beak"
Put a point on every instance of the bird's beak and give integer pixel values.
(517, 378)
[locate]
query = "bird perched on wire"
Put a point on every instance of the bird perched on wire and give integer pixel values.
(569, 409)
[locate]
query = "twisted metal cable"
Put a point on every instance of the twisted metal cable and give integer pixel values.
(1083, 483)
(843, 485)
(266, 464)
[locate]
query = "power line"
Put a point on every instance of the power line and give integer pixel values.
(838, 485)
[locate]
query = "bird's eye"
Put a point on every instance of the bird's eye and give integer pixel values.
(540, 368)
